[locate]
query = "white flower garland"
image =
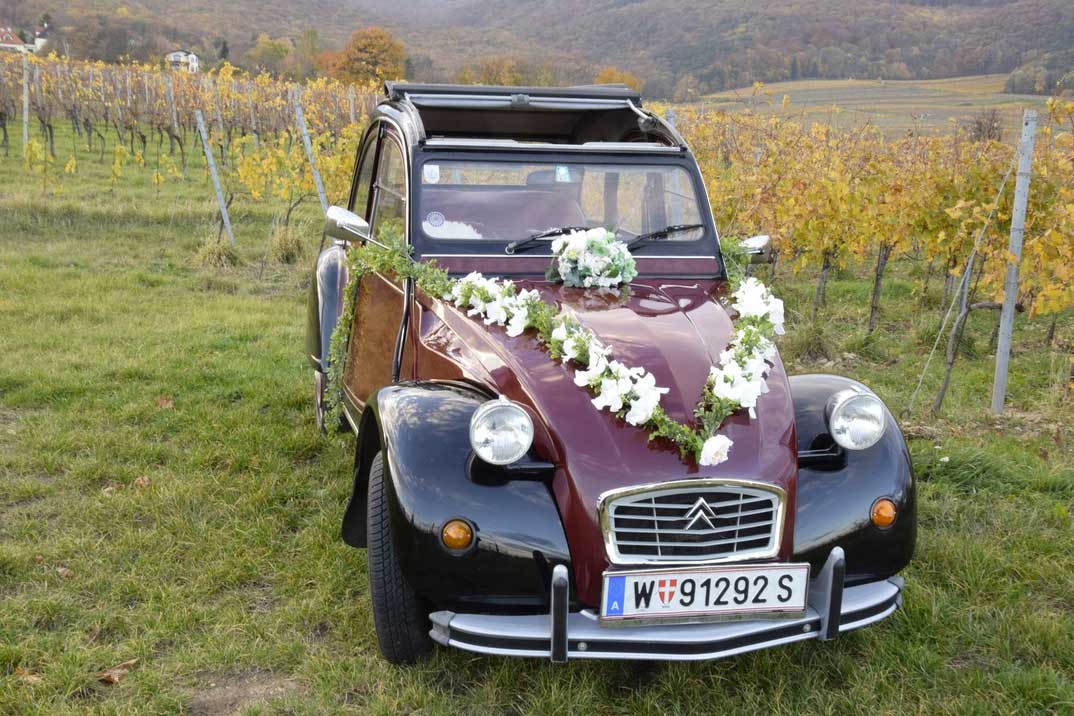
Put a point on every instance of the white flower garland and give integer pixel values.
(742, 373)
(592, 258)
(736, 382)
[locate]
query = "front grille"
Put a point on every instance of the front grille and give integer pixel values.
(715, 521)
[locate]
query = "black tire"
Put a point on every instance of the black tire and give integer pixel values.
(400, 617)
(319, 382)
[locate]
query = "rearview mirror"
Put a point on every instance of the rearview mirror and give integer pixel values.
(759, 249)
(345, 225)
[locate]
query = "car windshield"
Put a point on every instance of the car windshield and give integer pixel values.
(498, 201)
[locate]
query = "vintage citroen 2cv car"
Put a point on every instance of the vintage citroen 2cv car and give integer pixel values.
(502, 510)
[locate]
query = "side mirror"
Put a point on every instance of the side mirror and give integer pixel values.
(759, 249)
(345, 225)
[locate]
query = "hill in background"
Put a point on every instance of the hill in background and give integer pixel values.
(678, 47)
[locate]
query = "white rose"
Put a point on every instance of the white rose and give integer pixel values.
(576, 245)
(646, 400)
(598, 366)
(477, 305)
(569, 347)
(518, 322)
(775, 315)
(751, 298)
(622, 372)
(715, 450)
(611, 395)
(755, 366)
(767, 349)
(495, 312)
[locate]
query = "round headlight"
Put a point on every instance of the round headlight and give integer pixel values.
(857, 420)
(500, 432)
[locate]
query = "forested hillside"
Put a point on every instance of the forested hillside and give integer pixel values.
(731, 43)
(675, 46)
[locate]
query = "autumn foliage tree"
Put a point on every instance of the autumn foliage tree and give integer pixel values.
(507, 70)
(614, 75)
(371, 54)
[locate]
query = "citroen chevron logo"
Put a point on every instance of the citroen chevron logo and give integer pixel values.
(700, 511)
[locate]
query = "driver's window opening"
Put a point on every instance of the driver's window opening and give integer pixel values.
(509, 201)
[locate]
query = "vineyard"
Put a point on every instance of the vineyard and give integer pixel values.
(829, 197)
(143, 122)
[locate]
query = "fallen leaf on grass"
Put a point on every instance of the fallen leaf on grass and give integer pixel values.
(165, 403)
(141, 482)
(65, 572)
(111, 487)
(117, 672)
(27, 677)
(39, 559)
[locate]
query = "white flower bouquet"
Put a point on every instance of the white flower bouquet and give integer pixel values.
(591, 259)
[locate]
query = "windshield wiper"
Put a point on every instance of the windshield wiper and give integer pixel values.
(530, 240)
(662, 233)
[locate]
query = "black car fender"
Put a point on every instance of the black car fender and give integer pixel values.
(423, 430)
(325, 303)
(837, 489)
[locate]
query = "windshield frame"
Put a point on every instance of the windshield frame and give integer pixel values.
(705, 246)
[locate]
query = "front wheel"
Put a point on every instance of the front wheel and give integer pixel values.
(400, 618)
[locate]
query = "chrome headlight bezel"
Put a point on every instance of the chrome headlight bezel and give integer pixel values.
(855, 402)
(488, 411)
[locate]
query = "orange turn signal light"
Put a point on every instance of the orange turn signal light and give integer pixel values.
(883, 513)
(457, 534)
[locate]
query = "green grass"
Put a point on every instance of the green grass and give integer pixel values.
(896, 106)
(225, 577)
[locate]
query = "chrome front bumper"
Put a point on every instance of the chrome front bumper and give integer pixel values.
(832, 610)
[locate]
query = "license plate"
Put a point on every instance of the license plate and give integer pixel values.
(705, 593)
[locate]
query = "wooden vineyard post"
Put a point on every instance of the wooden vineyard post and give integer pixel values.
(170, 90)
(220, 121)
(253, 116)
(309, 153)
(216, 178)
(25, 104)
(1010, 289)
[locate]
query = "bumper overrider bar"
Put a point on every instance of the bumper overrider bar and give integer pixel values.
(561, 635)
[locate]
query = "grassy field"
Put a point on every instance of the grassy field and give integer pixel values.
(896, 106)
(165, 498)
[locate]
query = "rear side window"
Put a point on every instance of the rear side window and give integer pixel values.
(389, 203)
(363, 180)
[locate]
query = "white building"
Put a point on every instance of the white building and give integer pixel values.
(182, 60)
(11, 42)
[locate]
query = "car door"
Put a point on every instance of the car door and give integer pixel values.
(330, 273)
(378, 312)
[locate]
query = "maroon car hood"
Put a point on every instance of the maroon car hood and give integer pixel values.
(674, 330)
